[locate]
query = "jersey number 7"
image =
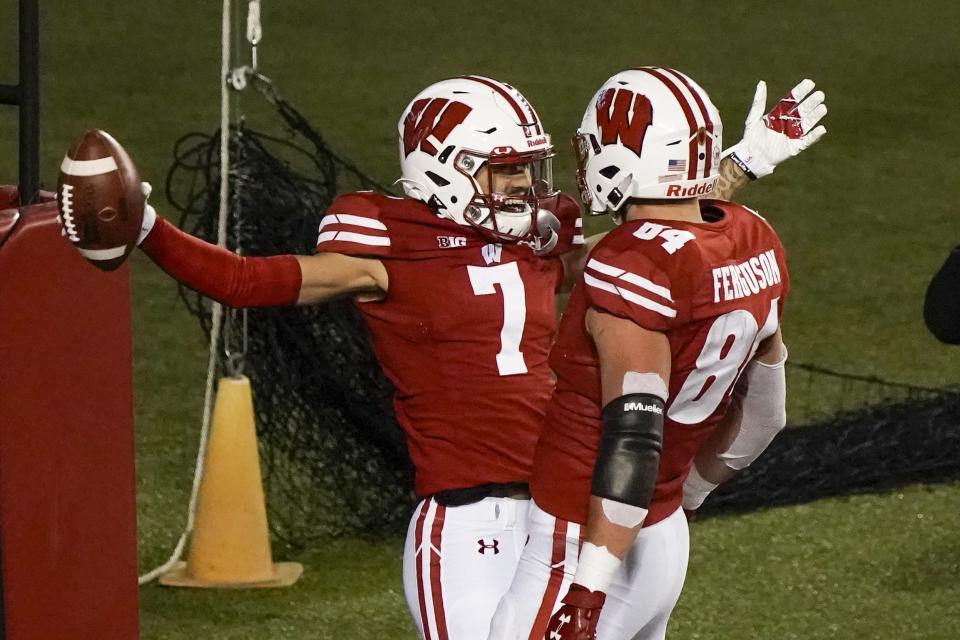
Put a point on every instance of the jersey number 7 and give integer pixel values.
(484, 280)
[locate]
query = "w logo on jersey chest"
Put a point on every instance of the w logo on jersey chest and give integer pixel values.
(623, 116)
(492, 252)
(431, 119)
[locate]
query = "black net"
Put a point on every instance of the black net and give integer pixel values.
(334, 460)
(857, 433)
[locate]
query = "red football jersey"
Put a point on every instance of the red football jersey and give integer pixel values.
(716, 289)
(464, 334)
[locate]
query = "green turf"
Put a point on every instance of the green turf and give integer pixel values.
(867, 216)
(881, 566)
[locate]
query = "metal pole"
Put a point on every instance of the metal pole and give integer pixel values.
(29, 101)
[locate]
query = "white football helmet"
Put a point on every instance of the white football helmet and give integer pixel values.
(475, 151)
(649, 133)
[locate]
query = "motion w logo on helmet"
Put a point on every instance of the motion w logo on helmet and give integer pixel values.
(429, 119)
(625, 116)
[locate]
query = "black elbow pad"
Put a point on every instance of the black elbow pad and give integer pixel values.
(629, 454)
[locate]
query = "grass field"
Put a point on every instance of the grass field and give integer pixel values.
(867, 216)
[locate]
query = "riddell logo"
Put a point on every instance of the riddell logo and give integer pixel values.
(536, 142)
(448, 242)
(676, 191)
(639, 406)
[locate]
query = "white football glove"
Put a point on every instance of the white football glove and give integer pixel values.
(149, 214)
(789, 128)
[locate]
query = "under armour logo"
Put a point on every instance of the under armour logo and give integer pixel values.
(564, 620)
(484, 546)
(491, 253)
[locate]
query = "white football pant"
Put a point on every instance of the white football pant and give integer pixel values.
(640, 598)
(458, 562)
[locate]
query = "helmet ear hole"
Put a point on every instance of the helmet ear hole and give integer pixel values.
(445, 154)
(609, 172)
(440, 181)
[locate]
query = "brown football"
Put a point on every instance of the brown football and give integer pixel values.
(100, 199)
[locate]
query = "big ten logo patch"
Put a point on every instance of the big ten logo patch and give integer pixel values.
(449, 242)
(493, 546)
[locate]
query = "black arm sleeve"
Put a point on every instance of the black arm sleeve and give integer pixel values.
(629, 454)
(941, 309)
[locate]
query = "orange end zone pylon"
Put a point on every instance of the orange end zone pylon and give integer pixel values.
(230, 546)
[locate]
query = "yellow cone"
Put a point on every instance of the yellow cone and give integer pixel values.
(230, 546)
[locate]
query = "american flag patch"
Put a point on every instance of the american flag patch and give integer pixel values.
(676, 165)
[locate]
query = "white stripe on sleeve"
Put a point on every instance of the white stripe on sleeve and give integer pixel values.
(632, 278)
(362, 238)
(326, 235)
(630, 296)
(356, 221)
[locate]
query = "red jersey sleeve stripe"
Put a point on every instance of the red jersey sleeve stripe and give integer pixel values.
(630, 296)
(632, 278)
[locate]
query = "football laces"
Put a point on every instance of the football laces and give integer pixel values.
(66, 218)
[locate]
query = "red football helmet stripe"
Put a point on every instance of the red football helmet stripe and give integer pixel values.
(708, 151)
(524, 118)
(687, 111)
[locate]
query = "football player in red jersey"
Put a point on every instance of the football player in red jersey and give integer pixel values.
(677, 307)
(456, 283)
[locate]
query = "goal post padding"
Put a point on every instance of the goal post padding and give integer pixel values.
(67, 482)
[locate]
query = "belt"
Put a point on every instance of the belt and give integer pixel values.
(470, 495)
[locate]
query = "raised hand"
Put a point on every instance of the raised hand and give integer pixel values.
(786, 130)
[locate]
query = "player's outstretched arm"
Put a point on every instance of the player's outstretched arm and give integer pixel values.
(328, 275)
(245, 282)
(769, 139)
(634, 367)
(756, 415)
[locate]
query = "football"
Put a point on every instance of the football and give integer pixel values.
(100, 199)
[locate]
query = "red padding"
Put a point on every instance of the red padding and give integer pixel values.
(67, 481)
(220, 274)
